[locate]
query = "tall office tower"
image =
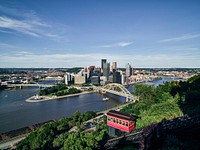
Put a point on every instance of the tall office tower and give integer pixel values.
(128, 70)
(117, 77)
(106, 70)
(114, 65)
(123, 79)
(103, 63)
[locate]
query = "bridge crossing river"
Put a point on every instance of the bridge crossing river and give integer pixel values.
(120, 90)
(30, 85)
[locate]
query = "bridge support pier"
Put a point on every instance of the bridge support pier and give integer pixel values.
(127, 99)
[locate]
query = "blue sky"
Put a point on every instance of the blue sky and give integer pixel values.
(70, 33)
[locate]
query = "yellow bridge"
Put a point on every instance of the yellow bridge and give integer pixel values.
(120, 90)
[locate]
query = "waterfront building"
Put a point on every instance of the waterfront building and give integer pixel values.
(68, 78)
(103, 80)
(95, 80)
(116, 77)
(128, 70)
(79, 79)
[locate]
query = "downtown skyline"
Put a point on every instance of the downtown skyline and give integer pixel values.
(81, 33)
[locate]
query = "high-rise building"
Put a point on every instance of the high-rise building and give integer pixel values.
(116, 77)
(103, 63)
(68, 78)
(95, 80)
(114, 65)
(123, 78)
(97, 71)
(105, 68)
(79, 79)
(128, 70)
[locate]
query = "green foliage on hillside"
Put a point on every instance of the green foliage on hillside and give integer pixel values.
(154, 105)
(79, 141)
(165, 101)
(74, 70)
(189, 94)
(55, 135)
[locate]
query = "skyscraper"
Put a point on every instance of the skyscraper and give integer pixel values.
(116, 77)
(114, 65)
(105, 67)
(103, 63)
(106, 70)
(128, 70)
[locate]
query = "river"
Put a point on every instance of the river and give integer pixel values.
(16, 113)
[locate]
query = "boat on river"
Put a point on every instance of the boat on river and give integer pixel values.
(105, 99)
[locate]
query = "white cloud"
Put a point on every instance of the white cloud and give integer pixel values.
(26, 59)
(180, 38)
(119, 44)
(22, 26)
(28, 23)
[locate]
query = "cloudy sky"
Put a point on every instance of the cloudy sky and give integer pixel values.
(71, 33)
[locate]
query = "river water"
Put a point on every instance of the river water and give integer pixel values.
(16, 113)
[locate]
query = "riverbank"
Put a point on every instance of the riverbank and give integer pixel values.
(34, 99)
(11, 138)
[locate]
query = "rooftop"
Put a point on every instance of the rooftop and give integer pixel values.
(122, 115)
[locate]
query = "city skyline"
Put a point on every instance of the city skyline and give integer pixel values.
(81, 33)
